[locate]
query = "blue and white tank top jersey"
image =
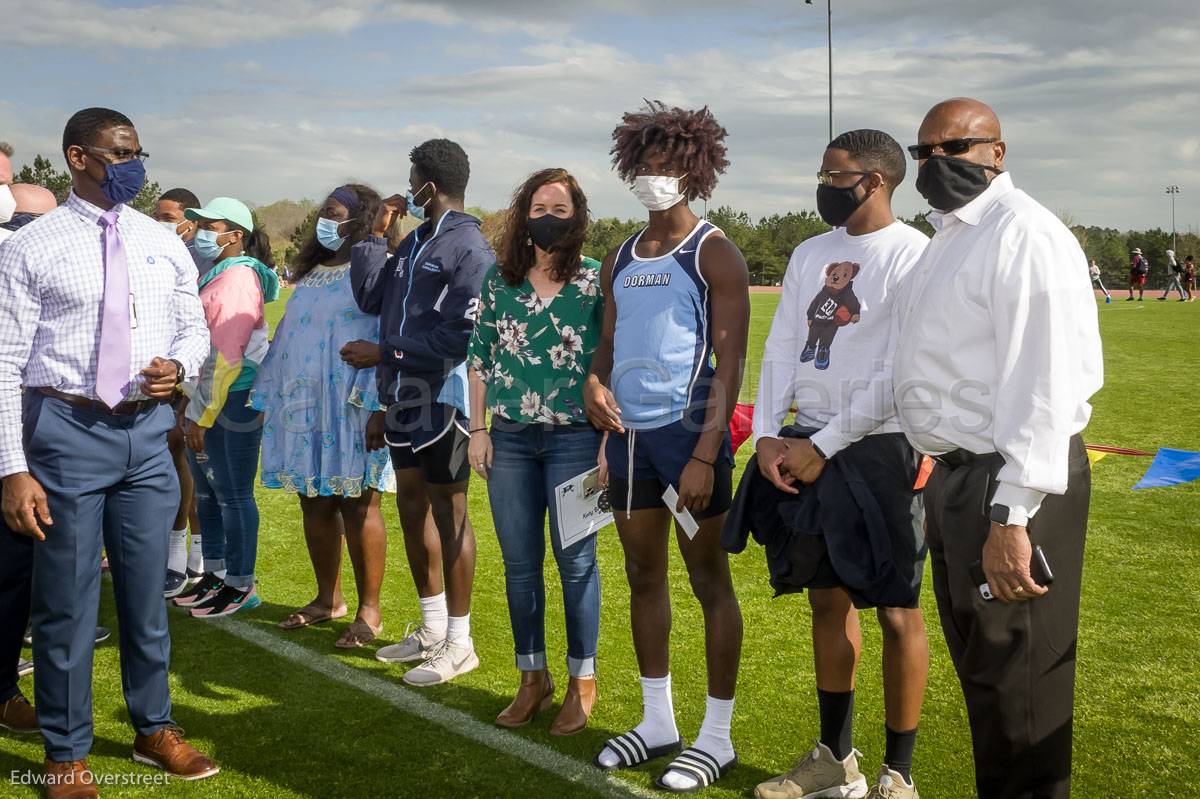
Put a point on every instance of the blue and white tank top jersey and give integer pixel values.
(662, 347)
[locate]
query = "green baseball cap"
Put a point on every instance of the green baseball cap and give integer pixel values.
(226, 208)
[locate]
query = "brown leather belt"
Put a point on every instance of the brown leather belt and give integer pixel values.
(123, 409)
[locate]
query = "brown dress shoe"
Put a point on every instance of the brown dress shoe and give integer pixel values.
(576, 709)
(166, 749)
(535, 695)
(70, 779)
(17, 715)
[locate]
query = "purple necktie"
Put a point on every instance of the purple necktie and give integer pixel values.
(112, 365)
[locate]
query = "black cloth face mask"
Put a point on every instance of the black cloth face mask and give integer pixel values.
(548, 230)
(950, 183)
(837, 204)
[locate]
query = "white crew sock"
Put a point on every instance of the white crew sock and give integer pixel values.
(658, 718)
(177, 551)
(195, 561)
(713, 740)
(458, 629)
(434, 614)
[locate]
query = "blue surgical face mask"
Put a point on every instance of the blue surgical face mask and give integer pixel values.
(123, 181)
(327, 233)
(206, 244)
(415, 210)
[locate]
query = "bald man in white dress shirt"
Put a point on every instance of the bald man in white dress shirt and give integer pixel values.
(998, 356)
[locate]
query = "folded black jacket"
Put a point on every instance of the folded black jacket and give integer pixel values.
(862, 512)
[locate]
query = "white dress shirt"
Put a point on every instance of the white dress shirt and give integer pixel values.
(999, 343)
(51, 292)
(852, 397)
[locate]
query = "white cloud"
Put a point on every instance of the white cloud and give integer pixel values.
(1096, 100)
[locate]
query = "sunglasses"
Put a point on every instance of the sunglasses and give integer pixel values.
(920, 152)
(825, 176)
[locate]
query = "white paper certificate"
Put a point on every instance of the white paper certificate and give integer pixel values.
(687, 522)
(578, 504)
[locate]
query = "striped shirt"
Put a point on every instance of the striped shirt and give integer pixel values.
(52, 285)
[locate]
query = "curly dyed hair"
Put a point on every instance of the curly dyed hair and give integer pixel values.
(692, 139)
(515, 253)
(313, 253)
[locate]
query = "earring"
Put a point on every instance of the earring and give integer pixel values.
(528, 241)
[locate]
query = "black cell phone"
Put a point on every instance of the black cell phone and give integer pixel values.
(981, 582)
(1038, 566)
(1042, 575)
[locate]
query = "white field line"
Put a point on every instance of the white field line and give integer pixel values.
(454, 721)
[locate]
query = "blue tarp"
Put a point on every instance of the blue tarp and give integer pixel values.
(1171, 467)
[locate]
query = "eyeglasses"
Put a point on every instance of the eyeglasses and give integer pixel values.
(920, 152)
(825, 176)
(120, 154)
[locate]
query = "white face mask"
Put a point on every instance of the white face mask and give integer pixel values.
(658, 192)
(8, 206)
(172, 226)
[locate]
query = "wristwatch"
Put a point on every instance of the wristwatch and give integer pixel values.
(1002, 514)
(179, 372)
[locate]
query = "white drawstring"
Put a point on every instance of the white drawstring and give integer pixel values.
(629, 474)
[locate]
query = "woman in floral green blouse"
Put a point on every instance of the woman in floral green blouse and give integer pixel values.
(538, 326)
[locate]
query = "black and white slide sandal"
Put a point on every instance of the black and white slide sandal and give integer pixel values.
(632, 751)
(699, 764)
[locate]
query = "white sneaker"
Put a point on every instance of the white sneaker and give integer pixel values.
(414, 647)
(447, 661)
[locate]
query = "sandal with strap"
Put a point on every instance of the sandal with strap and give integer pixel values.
(309, 615)
(632, 751)
(696, 763)
(357, 635)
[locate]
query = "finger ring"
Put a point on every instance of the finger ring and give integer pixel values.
(1019, 590)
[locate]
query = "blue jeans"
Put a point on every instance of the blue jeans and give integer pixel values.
(224, 475)
(528, 462)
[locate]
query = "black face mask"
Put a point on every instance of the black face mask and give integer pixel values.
(548, 230)
(950, 183)
(836, 204)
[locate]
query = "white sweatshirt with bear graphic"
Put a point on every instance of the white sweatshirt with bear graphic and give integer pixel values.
(837, 312)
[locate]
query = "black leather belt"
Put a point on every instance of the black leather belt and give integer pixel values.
(962, 457)
(97, 406)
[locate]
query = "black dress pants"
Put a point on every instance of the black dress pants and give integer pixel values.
(1016, 662)
(16, 573)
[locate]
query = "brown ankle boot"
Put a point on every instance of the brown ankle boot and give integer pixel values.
(576, 708)
(535, 695)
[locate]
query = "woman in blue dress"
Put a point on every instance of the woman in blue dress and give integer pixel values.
(316, 409)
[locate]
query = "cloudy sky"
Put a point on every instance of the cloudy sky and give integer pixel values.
(1100, 100)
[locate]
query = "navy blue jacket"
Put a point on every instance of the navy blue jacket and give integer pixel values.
(862, 514)
(427, 299)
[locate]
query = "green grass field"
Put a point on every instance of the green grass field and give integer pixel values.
(300, 719)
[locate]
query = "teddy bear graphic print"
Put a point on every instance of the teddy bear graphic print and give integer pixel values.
(834, 307)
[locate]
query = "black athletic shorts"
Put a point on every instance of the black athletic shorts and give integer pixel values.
(433, 439)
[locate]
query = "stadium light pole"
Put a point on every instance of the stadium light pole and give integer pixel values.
(829, 47)
(1173, 191)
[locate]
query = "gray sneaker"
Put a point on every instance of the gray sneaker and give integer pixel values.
(416, 646)
(447, 661)
(891, 785)
(818, 775)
